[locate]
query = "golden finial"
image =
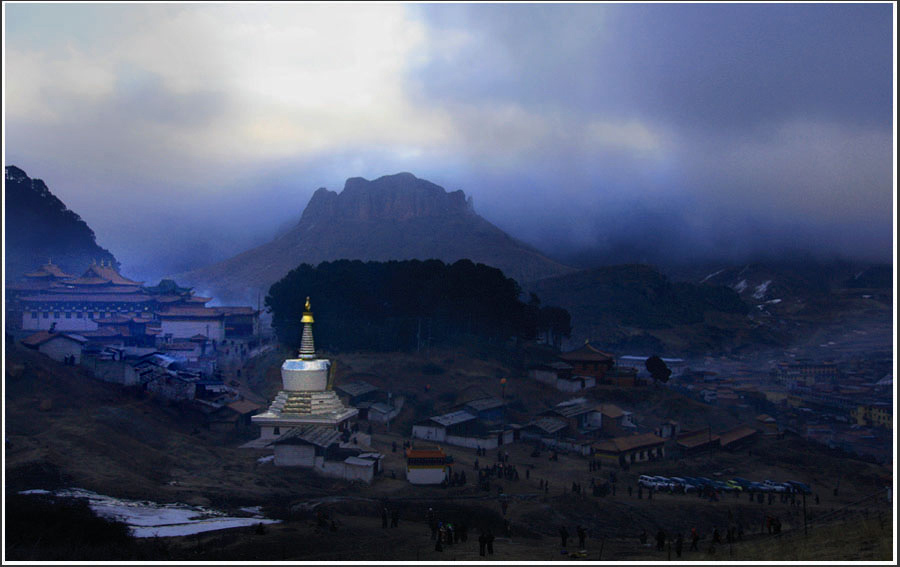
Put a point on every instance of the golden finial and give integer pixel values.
(307, 315)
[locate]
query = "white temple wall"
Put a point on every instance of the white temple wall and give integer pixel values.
(187, 328)
(62, 324)
(472, 442)
(429, 432)
(575, 384)
(113, 371)
(359, 472)
(295, 455)
(426, 476)
(545, 376)
(59, 349)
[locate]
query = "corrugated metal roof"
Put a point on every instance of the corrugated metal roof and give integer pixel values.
(357, 388)
(484, 404)
(356, 461)
(451, 418)
(319, 435)
(548, 424)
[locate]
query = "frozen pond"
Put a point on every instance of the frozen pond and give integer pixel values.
(149, 519)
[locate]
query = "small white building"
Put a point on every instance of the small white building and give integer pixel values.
(319, 447)
(426, 465)
(463, 429)
(61, 347)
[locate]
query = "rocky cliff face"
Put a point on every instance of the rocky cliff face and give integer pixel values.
(40, 227)
(395, 217)
(394, 197)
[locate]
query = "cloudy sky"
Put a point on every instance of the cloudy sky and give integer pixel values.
(187, 132)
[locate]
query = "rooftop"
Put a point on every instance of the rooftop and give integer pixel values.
(587, 353)
(484, 404)
(42, 337)
(452, 418)
(357, 388)
(629, 442)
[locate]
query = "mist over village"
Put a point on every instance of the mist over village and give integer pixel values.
(317, 282)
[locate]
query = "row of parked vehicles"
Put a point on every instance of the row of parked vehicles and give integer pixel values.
(685, 484)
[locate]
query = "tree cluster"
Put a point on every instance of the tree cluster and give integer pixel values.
(406, 305)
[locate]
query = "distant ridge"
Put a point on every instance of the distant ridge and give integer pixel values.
(395, 217)
(39, 227)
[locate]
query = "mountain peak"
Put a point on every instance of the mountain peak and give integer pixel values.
(401, 196)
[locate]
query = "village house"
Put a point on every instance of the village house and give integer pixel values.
(630, 449)
(580, 415)
(62, 347)
(668, 429)
(696, 442)
(551, 432)
(767, 425)
(616, 421)
(737, 438)
(234, 416)
(327, 451)
(488, 409)
(463, 429)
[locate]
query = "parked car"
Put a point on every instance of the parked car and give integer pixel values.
(646, 481)
(663, 483)
(759, 487)
(735, 486)
(690, 484)
(799, 487)
(775, 486)
(742, 482)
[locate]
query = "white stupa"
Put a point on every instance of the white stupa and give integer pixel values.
(307, 397)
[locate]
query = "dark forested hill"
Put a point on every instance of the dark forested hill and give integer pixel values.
(406, 305)
(40, 227)
(635, 307)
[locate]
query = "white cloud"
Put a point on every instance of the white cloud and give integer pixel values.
(294, 78)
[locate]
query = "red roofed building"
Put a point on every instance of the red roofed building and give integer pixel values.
(589, 361)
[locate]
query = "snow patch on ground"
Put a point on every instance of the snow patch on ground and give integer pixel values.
(712, 275)
(149, 519)
(265, 459)
(774, 301)
(760, 290)
(740, 286)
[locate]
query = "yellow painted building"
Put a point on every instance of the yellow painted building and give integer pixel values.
(878, 415)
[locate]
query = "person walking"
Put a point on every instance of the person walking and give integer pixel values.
(695, 538)
(563, 536)
(384, 517)
(482, 543)
(660, 540)
(679, 545)
(490, 542)
(582, 534)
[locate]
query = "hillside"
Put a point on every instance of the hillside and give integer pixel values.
(40, 226)
(838, 305)
(635, 307)
(395, 217)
